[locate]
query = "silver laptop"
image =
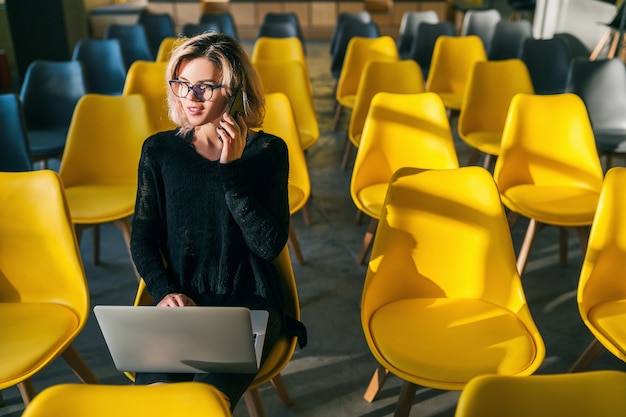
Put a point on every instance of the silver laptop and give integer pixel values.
(183, 339)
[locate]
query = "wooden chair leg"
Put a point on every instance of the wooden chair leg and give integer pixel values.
(95, 245)
(474, 157)
(368, 241)
(27, 391)
(405, 401)
(295, 245)
(281, 390)
(338, 111)
(376, 383)
(79, 366)
(254, 404)
(563, 241)
(588, 357)
(583, 238)
(306, 214)
(600, 46)
(125, 228)
(1, 400)
(522, 257)
(347, 151)
(359, 217)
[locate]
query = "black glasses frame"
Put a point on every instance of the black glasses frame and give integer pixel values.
(199, 89)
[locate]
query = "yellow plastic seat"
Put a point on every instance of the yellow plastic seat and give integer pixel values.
(279, 49)
(283, 350)
(601, 294)
(401, 130)
(453, 58)
(359, 52)
(549, 170)
(148, 79)
(598, 394)
(44, 299)
(291, 78)
(403, 76)
(490, 87)
(443, 271)
(280, 121)
(165, 48)
(185, 399)
(99, 165)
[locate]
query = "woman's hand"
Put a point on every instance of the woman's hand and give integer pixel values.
(233, 134)
(176, 300)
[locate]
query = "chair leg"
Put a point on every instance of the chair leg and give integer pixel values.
(359, 217)
(474, 157)
(376, 383)
(563, 240)
(125, 228)
(295, 245)
(588, 357)
(405, 401)
(254, 404)
(368, 241)
(583, 238)
(600, 46)
(338, 110)
(522, 257)
(79, 366)
(347, 151)
(281, 390)
(306, 213)
(27, 391)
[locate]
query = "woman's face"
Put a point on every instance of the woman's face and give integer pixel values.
(202, 74)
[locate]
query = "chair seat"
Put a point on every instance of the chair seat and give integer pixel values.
(372, 199)
(613, 141)
(451, 100)
(487, 142)
(307, 140)
(44, 143)
(347, 100)
(296, 199)
(562, 206)
(23, 346)
(101, 203)
(436, 338)
(609, 318)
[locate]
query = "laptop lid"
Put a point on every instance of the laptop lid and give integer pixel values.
(183, 339)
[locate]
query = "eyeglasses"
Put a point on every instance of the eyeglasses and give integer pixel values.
(201, 91)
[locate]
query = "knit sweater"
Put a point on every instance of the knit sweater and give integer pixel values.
(211, 230)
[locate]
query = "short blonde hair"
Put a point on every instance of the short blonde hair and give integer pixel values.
(236, 70)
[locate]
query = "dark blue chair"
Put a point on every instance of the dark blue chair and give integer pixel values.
(508, 39)
(424, 43)
(103, 63)
(192, 29)
(158, 26)
(133, 40)
(286, 18)
(223, 20)
(349, 29)
(15, 155)
(362, 16)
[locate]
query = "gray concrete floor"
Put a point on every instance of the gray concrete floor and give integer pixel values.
(328, 377)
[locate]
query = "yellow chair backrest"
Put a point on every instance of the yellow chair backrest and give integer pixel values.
(278, 49)
(148, 79)
(165, 48)
(185, 399)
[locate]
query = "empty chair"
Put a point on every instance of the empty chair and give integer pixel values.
(402, 76)
(49, 93)
(349, 29)
(442, 301)
(598, 393)
(408, 29)
(148, 79)
(453, 58)
(189, 30)
(104, 64)
(15, 155)
(157, 26)
(286, 17)
(362, 16)
(223, 20)
(424, 43)
(292, 78)
(490, 88)
(548, 169)
(165, 49)
(134, 42)
(278, 30)
(44, 303)
(400, 130)
(508, 39)
(360, 51)
(185, 399)
(602, 86)
(481, 23)
(600, 293)
(278, 49)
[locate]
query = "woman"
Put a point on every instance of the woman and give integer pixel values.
(212, 210)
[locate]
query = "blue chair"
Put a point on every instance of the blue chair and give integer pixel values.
(424, 43)
(15, 155)
(363, 16)
(158, 26)
(192, 29)
(349, 29)
(288, 18)
(133, 40)
(49, 93)
(223, 20)
(103, 63)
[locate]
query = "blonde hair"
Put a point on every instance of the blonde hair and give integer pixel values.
(237, 72)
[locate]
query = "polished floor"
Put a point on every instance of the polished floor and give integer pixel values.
(328, 377)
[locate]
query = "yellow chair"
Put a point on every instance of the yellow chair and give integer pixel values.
(453, 58)
(99, 165)
(601, 294)
(598, 394)
(148, 79)
(291, 78)
(490, 87)
(548, 169)
(165, 48)
(280, 121)
(185, 399)
(283, 350)
(390, 76)
(279, 49)
(44, 299)
(360, 50)
(401, 130)
(442, 301)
